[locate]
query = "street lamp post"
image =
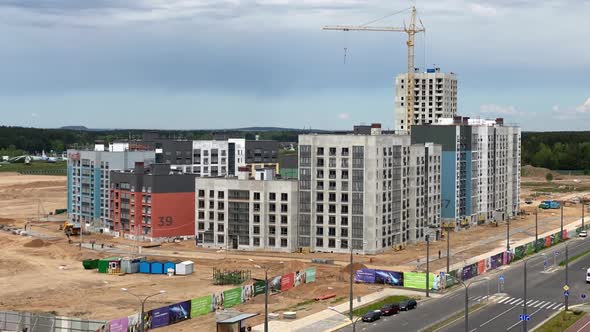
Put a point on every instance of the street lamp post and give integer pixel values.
(467, 297)
(566, 297)
(142, 299)
(427, 265)
(583, 206)
(561, 234)
(265, 294)
(536, 229)
(353, 320)
(448, 248)
(507, 233)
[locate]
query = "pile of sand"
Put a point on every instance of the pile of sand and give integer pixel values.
(532, 171)
(36, 243)
(355, 267)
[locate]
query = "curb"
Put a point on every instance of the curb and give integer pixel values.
(545, 321)
(449, 316)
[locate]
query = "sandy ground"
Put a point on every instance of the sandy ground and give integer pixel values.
(47, 276)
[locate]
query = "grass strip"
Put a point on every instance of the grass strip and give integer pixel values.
(561, 322)
(573, 258)
(438, 326)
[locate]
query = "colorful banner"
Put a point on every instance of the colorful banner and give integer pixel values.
(259, 287)
(275, 284)
(565, 235)
(469, 272)
(133, 324)
(247, 292)
(179, 312)
(119, 325)
(548, 241)
(232, 297)
(287, 282)
(417, 280)
(158, 317)
(299, 278)
(366, 276)
(218, 300)
(519, 252)
(488, 263)
(440, 282)
(310, 275)
(540, 243)
(530, 248)
(389, 277)
(201, 306)
(507, 257)
(481, 267)
(497, 260)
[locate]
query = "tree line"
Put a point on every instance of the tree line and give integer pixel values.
(557, 150)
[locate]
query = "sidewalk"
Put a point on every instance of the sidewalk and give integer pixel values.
(328, 320)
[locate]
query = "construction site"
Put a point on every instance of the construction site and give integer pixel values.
(43, 272)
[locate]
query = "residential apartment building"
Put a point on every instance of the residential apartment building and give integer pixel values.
(211, 158)
(152, 202)
(246, 214)
(480, 168)
(355, 190)
(435, 97)
(88, 187)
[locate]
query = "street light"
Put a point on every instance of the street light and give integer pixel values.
(352, 320)
(351, 279)
(565, 297)
(467, 296)
(265, 268)
(142, 299)
(524, 306)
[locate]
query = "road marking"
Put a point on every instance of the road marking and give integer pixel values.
(496, 317)
(550, 307)
(532, 304)
(582, 328)
(516, 324)
(503, 300)
(512, 301)
(519, 302)
(560, 307)
(541, 305)
(477, 298)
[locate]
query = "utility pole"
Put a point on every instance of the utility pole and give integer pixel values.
(524, 308)
(536, 229)
(566, 297)
(561, 234)
(583, 215)
(350, 293)
(427, 265)
(266, 299)
(448, 248)
(507, 233)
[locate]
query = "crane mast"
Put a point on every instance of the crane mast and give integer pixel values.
(411, 30)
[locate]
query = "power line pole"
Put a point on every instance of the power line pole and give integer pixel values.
(448, 248)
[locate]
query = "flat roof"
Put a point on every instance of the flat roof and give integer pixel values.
(237, 318)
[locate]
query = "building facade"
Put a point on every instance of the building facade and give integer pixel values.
(435, 97)
(152, 203)
(88, 188)
(245, 214)
(480, 168)
(355, 190)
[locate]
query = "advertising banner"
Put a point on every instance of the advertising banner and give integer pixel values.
(530, 248)
(275, 284)
(540, 243)
(496, 260)
(287, 281)
(451, 278)
(247, 292)
(217, 299)
(232, 297)
(548, 241)
(133, 323)
(259, 287)
(481, 267)
(389, 278)
(556, 238)
(469, 272)
(159, 317)
(201, 306)
(488, 262)
(565, 234)
(299, 278)
(366, 276)
(519, 252)
(507, 257)
(179, 312)
(310, 275)
(119, 325)
(417, 280)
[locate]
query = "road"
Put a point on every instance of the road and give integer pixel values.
(502, 310)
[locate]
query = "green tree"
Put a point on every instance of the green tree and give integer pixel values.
(549, 177)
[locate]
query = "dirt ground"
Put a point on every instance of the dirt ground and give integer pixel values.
(47, 275)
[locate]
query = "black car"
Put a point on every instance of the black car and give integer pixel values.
(389, 309)
(408, 305)
(372, 316)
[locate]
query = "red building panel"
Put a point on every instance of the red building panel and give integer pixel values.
(173, 214)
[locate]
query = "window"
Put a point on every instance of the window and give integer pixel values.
(284, 220)
(319, 208)
(201, 214)
(220, 239)
(201, 193)
(211, 204)
(283, 243)
(320, 196)
(332, 197)
(344, 244)
(211, 193)
(283, 230)
(331, 231)
(220, 206)
(220, 216)
(319, 220)
(201, 204)
(320, 162)
(320, 151)
(256, 230)
(332, 151)
(272, 219)
(332, 220)
(332, 208)
(345, 151)
(256, 196)
(320, 174)
(272, 207)
(332, 243)
(256, 218)
(257, 241)
(271, 230)
(344, 232)
(272, 196)
(256, 207)
(319, 231)
(344, 198)
(343, 221)
(220, 228)
(319, 242)
(271, 241)
(344, 209)
(211, 215)
(284, 208)
(201, 226)
(220, 194)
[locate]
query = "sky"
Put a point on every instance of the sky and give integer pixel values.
(197, 64)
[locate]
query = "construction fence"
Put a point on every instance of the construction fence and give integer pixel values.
(32, 322)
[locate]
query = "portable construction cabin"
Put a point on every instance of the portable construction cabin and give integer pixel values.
(184, 268)
(145, 267)
(109, 265)
(130, 265)
(90, 264)
(157, 268)
(169, 265)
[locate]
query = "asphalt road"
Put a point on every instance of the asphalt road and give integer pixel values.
(544, 297)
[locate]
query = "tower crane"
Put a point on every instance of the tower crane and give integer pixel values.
(412, 29)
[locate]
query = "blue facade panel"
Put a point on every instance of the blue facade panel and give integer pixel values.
(448, 184)
(70, 189)
(468, 183)
(97, 192)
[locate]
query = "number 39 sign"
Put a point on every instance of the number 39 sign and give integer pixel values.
(165, 221)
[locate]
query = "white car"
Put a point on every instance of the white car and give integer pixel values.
(588, 276)
(583, 234)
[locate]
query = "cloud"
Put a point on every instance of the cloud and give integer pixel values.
(34, 115)
(343, 116)
(584, 108)
(495, 110)
(483, 10)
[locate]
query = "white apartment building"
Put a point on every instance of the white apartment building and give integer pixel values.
(355, 189)
(246, 214)
(210, 158)
(435, 97)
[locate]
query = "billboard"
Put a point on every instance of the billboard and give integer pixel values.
(275, 284)
(469, 272)
(530, 248)
(259, 287)
(299, 278)
(481, 267)
(366, 276)
(287, 282)
(417, 280)
(119, 325)
(179, 312)
(389, 277)
(310, 275)
(133, 323)
(232, 297)
(158, 317)
(248, 292)
(519, 252)
(547, 241)
(201, 306)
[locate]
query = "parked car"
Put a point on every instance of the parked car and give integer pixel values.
(583, 234)
(588, 276)
(408, 305)
(390, 309)
(528, 201)
(372, 316)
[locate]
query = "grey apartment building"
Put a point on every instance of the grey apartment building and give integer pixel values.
(246, 214)
(355, 190)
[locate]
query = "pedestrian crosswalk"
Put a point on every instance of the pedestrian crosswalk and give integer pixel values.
(517, 301)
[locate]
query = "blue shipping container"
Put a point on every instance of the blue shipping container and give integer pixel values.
(169, 265)
(144, 267)
(157, 268)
